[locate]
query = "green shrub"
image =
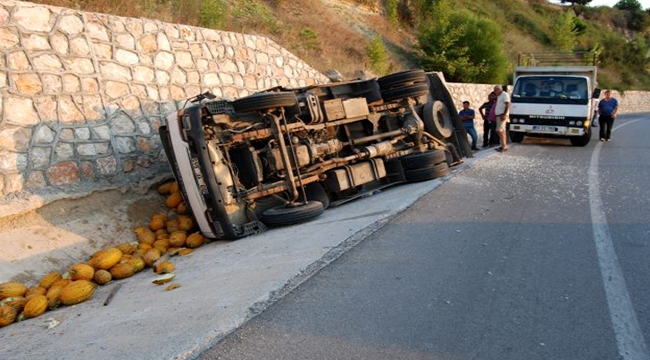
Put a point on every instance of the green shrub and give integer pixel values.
(391, 11)
(309, 39)
(461, 45)
(376, 53)
(211, 13)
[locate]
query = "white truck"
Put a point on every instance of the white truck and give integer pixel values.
(553, 101)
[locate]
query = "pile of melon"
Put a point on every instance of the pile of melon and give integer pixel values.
(156, 243)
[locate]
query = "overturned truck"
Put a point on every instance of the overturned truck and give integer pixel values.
(282, 156)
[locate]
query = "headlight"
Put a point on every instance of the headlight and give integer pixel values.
(571, 123)
(522, 120)
(578, 123)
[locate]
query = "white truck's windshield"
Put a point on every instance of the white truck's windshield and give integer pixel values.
(551, 90)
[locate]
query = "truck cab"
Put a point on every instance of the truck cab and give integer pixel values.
(553, 101)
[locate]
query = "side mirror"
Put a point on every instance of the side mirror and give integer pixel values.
(596, 93)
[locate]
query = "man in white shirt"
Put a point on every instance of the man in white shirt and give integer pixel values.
(502, 107)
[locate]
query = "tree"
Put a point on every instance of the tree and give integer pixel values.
(461, 45)
(629, 5)
(574, 2)
(564, 31)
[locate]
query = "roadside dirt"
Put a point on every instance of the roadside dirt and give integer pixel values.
(64, 232)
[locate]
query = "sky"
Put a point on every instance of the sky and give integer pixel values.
(644, 3)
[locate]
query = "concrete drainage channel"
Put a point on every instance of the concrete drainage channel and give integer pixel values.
(223, 285)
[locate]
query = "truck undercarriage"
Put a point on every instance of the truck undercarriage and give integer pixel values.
(282, 156)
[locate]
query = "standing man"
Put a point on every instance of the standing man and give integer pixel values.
(501, 109)
(607, 109)
(489, 137)
(467, 116)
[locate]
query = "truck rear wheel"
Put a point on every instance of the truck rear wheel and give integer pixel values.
(402, 78)
(265, 100)
(424, 174)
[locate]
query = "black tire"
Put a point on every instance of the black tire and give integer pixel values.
(369, 89)
(315, 191)
(402, 78)
(582, 140)
(265, 100)
(283, 215)
(434, 172)
(437, 120)
(405, 91)
(516, 136)
(423, 160)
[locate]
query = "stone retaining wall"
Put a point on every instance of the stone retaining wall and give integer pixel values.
(82, 94)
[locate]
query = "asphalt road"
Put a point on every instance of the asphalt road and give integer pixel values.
(539, 253)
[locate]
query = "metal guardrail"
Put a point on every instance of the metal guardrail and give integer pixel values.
(581, 58)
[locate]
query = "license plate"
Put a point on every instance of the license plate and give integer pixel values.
(544, 128)
(196, 166)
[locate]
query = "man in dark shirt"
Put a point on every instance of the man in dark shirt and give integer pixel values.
(467, 116)
(607, 109)
(489, 134)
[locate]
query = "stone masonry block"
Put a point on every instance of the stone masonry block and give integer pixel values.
(15, 138)
(63, 173)
(40, 157)
(34, 18)
(21, 111)
(9, 37)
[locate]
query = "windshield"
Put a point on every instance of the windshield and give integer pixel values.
(555, 90)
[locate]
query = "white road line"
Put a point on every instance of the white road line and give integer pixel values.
(629, 338)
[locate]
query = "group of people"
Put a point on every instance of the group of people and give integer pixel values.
(495, 118)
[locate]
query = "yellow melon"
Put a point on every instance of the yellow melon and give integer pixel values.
(145, 235)
(81, 272)
(173, 200)
(76, 292)
(106, 259)
(102, 277)
(177, 239)
(7, 315)
(171, 226)
(184, 251)
(151, 256)
(165, 189)
(16, 302)
(61, 283)
(157, 222)
(185, 223)
(35, 306)
(36, 290)
(165, 267)
(195, 240)
(53, 297)
(182, 209)
(137, 263)
(12, 289)
(49, 279)
(127, 248)
(122, 271)
(162, 245)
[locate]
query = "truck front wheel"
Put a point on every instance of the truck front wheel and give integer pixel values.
(516, 137)
(582, 140)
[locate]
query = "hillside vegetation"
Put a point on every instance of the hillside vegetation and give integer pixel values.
(469, 40)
